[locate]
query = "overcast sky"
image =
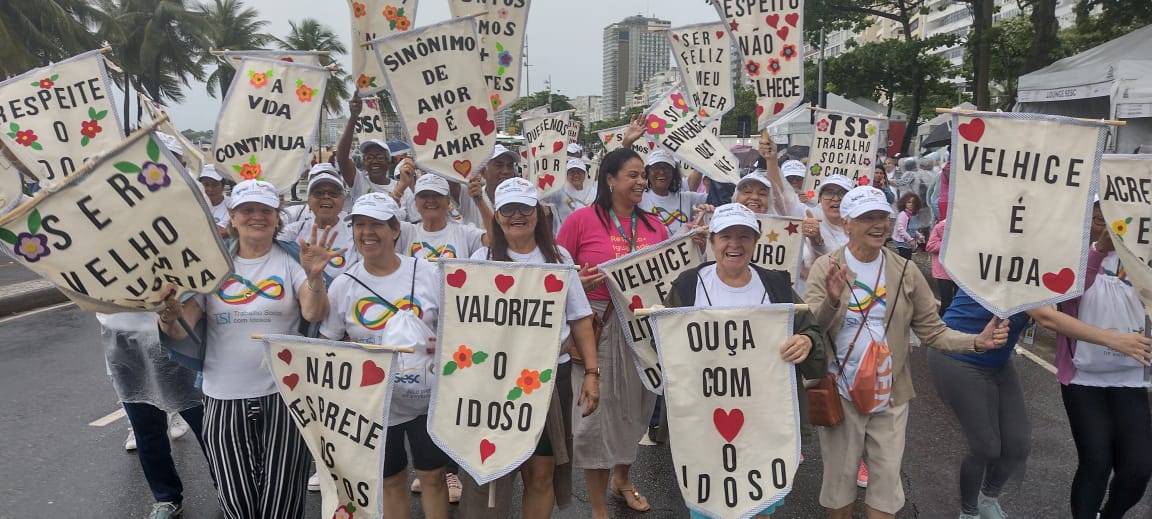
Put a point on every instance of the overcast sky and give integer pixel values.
(564, 40)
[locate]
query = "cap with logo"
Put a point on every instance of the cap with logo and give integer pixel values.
(730, 215)
(431, 182)
(257, 191)
(794, 168)
(379, 206)
(864, 199)
(515, 190)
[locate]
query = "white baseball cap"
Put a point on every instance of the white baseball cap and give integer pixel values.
(171, 142)
(864, 199)
(729, 215)
(836, 180)
(379, 206)
(515, 190)
(659, 156)
(257, 191)
(758, 175)
(576, 164)
(501, 150)
(794, 168)
(575, 148)
(320, 175)
(431, 182)
(375, 142)
(209, 171)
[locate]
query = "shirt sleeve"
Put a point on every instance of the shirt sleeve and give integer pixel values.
(474, 237)
(296, 275)
(577, 306)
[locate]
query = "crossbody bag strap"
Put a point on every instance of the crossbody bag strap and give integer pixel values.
(863, 321)
(899, 288)
(386, 302)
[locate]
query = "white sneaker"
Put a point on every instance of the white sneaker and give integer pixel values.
(177, 427)
(455, 489)
(416, 488)
(646, 441)
(130, 443)
(314, 482)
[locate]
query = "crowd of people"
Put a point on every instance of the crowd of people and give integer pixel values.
(868, 304)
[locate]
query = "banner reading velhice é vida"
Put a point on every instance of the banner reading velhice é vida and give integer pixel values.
(113, 237)
(53, 118)
(267, 124)
(436, 82)
(1126, 201)
(338, 394)
(703, 53)
(497, 345)
(373, 19)
(642, 279)
(676, 127)
(733, 414)
(501, 27)
(1020, 206)
(613, 139)
(842, 144)
(770, 36)
(547, 140)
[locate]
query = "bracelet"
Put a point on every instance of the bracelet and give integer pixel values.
(310, 287)
(592, 371)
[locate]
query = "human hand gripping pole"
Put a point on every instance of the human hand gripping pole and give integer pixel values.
(994, 335)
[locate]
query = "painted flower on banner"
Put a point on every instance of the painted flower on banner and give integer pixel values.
(26, 138)
(788, 52)
(365, 81)
(679, 103)
(870, 129)
(259, 79)
(866, 161)
(503, 58)
(1120, 227)
(345, 511)
(529, 381)
(304, 92)
(496, 101)
(702, 113)
(656, 125)
(607, 138)
(815, 169)
(359, 10)
(46, 83)
(397, 21)
(463, 358)
(403, 24)
(502, 13)
(774, 66)
(91, 128)
(31, 245)
(152, 173)
(822, 125)
(390, 12)
(250, 171)
(752, 68)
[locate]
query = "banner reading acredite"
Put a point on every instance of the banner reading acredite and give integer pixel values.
(1126, 201)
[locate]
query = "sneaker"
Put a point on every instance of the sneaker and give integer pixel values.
(862, 475)
(990, 508)
(801, 462)
(314, 482)
(969, 516)
(454, 488)
(177, 427)
(130, 443)
(646, 441)
(416, 489)
(166, 510)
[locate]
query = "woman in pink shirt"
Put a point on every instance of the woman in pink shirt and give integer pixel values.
(945, 287)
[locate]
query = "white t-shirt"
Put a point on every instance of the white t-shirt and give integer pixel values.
(863, 299)
(569, 199)
(470, 212)
(363, 186)
(358, 313)
(674, 209)
(302, 230)
(259, 298)
(711, 291)
(220, 214)
(455, 240)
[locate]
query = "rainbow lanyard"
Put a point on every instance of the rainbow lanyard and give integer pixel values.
(620, 228)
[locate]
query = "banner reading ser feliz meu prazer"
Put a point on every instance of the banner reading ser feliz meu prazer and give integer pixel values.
(703, 54)
(436, 83)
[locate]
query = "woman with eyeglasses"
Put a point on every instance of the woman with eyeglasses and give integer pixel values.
(325, 210)
(437, 236)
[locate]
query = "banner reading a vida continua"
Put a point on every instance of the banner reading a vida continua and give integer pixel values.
(303, 57)
(1126, 201)
(547, 140)
(643, 279)
(338, 394)
(437, 86)
(53, 118)
(193, 158)
(497, 346)
(501, 29)
(267, 125)
(780, 246)
(703, 54)
(843, 144)
(1020, 206)
(677, 128)
(770, 36)
(373, 19)
(733, 418)
(613, 139)
(114, 236)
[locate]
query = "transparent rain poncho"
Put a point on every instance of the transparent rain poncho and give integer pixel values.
(141, 371)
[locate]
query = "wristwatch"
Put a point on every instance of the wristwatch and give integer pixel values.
(592, 371)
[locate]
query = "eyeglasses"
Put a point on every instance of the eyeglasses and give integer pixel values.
(326, 193)
(832, 195)
(509, 210)
(376, 157)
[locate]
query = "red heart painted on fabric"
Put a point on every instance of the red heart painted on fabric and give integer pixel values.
(777, 108)
(719, 35)
(524, 154)
(557, 146)
(487, 449)
(533, 152)
(651, 145)
(463, 167)
(479, 118)
(759, 110)
(772, 20)
(1059, 282)
(552, 284)
(457, 279)
(291, 381)
(288, 59)
(503, 283)
(636, 303)
(426, 131)
(285, 356)
(728, 423)
(676, 37)
(973, 130)
(792, 19)
(545, 181)
(372, 374)
(782, 33)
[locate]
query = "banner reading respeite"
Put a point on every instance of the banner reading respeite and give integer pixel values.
(613, 139)
(842, 144)
(267, 124)
(547, 140)
(53, 118)
(497, 345)
(338, 394)
(733, 414)
(372, 19)
(780, 246)
(116, 234)
(703, 55)
(677, 128)
(770, 37)
(1126, 201)
(437, 86)
(1020, 205)
(642, 279)
(500, 26)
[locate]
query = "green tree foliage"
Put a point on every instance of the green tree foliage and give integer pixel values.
(1116, 18)
(231, 26)
(310, 34)
(36, 32)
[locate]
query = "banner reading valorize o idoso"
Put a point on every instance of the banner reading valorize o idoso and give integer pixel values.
(501, 30)
(53, 118)
(114, 236)
(547, 140)
(267, 125)
(733, 417)
(437, 86)
(1126, 201)
(703, 54)
(642, 279)
(842, 144)
(1020, 205)
(373, 19)
(613, 139)
(675, 127)
(780, 246)
(338, 394)
(497, 345)
(770, 36)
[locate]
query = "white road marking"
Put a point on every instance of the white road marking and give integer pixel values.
(1035, 358)
(34, 312)
(112, 417)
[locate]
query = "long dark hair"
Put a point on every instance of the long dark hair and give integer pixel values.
(542, 234)
(610, 166)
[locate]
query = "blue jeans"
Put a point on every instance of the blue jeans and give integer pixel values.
(150, 425)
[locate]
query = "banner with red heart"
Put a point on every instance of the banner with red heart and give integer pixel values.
(769, 38)
(547, 136)
(843, 144)
(703, 58)
(613, 139)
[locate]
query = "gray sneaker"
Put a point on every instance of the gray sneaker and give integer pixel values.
(166, 510)
(990, 509)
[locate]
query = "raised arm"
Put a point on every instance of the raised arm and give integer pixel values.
(344, 147)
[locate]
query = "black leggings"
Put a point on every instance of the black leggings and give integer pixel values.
(1112, 429)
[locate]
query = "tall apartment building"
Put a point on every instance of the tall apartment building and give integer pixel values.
(635, 49)
(588, 109)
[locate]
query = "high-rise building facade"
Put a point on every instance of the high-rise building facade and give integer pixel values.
(635, 49)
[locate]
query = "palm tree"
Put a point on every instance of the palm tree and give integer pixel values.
(36, 32)
(310, 34)
(231, 26)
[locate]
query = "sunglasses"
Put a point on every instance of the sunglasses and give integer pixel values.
(326, 193)
(510, 210)
(833, 195)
